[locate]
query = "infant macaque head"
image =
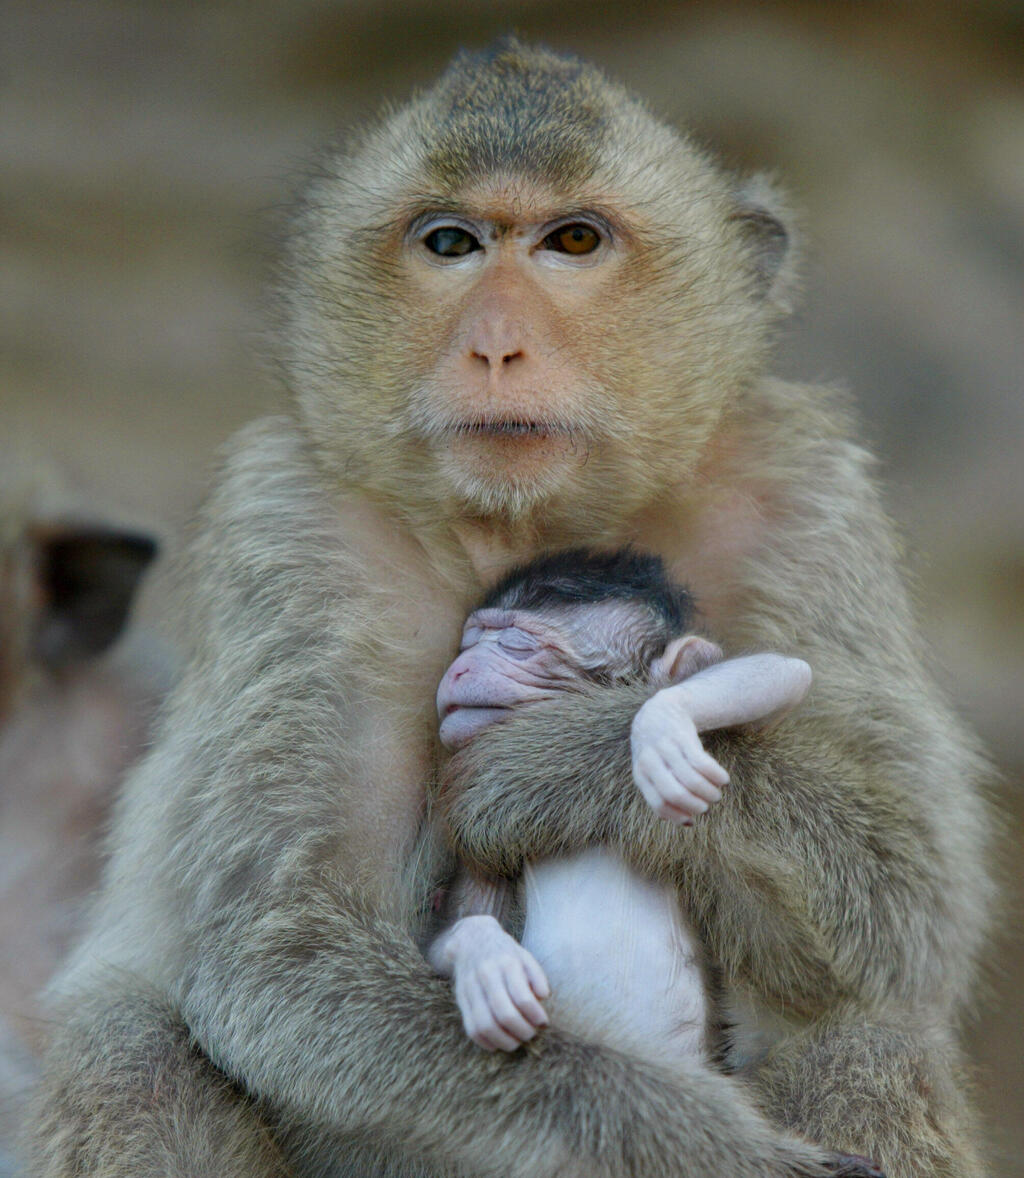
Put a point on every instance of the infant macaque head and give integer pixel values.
(564, 620)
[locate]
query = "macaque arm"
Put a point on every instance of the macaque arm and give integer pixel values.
(506, 806)
(471, 895)
(747, 690)
(678, 778)
(481, 895)
(498, 983)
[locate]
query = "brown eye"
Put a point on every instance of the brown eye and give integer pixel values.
(451, 242)
(573, 239)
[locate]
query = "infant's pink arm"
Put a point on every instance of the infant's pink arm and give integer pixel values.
(498, 984)
(472, 895)
(747, 690)
(676, 776)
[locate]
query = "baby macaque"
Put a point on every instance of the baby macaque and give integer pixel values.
(607, 945)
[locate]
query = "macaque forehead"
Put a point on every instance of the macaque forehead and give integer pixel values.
(614, 637)
(518, 109)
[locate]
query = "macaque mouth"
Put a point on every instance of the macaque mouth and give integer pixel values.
(512, 429)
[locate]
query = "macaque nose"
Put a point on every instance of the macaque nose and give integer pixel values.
(497, 340)
(498, 357)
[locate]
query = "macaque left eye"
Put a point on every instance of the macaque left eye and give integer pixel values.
(573, 239)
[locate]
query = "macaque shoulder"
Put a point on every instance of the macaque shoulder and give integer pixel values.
(783, 499)
(280, 549)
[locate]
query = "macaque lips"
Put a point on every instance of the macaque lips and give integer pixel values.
(459, 725)
(500, 666)
(513, 429)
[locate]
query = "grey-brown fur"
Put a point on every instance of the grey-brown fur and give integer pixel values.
(532, 113)
(272, 859)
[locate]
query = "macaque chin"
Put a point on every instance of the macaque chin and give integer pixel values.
(610, 947)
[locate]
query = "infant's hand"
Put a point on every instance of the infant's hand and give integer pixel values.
(497, 985)
(673, 772)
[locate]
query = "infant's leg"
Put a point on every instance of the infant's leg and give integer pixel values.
(624, 969)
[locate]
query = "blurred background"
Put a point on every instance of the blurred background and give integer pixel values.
(146, 148)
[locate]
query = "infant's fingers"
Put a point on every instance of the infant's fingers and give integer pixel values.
(666, 797)
(504, 1011)
(493, 1038)
(477, 1020)
(643, 767)
(689, 777)
(524, 998)
(535, 975)
(688, 742)
(709, 768)
(681, 787)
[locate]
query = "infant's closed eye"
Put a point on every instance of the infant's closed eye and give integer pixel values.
(518, 643)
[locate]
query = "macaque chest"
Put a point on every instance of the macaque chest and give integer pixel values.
(624, 969)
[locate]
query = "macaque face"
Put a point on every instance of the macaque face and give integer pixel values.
(520, 389)
(511, 657)
(486, 316)
(508, 658)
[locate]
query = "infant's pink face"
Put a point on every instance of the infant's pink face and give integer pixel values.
(508, 658)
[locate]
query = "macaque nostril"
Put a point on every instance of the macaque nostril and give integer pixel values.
(503, 358)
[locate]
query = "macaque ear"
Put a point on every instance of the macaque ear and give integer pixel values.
(684, 657)
(86, 580)
(768, 231)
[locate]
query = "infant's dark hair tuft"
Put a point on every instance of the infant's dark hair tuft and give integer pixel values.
(584, 576)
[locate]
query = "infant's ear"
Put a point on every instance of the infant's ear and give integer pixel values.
(684, 657)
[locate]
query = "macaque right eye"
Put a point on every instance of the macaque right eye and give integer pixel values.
(450, 241)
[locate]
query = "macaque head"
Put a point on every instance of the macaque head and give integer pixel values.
(66, 584)
(521, 294)
(563, 621)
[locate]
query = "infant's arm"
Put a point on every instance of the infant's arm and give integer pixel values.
(755, 688)
(497, 982)
(673, 772)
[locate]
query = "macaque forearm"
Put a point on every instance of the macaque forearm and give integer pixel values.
(744, 690)
(314, 1029)
(517, 806)
(473, 895)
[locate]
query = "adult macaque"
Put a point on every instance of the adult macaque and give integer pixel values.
(625, 967)
(71, 720)
(521, 314)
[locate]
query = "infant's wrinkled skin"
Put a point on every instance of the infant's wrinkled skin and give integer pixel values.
(508, 658)
(610, 946)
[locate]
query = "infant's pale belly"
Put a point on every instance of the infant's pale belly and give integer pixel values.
(624, 968)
